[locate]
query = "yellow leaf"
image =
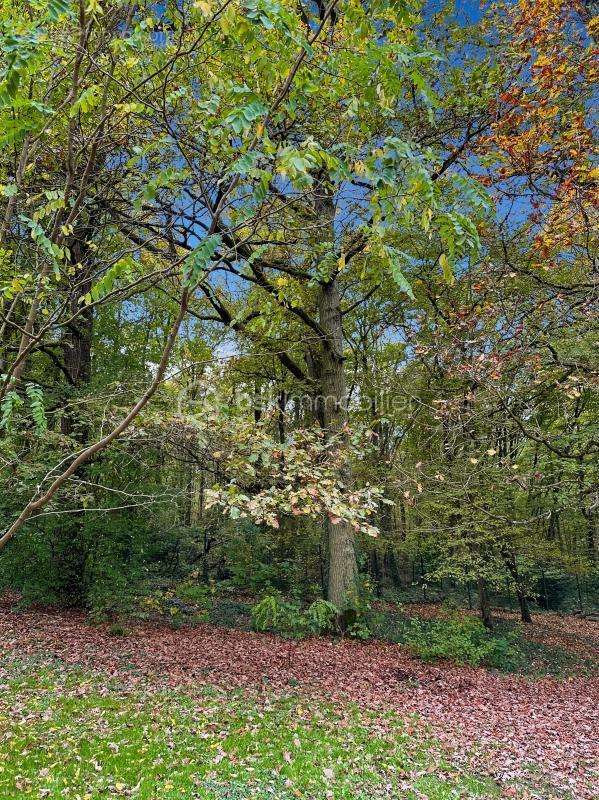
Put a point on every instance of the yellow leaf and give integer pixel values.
(204, 7)
(445, 265)
(427, 216)
(94, 8)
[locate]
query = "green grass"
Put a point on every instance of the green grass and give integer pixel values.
(63, 734)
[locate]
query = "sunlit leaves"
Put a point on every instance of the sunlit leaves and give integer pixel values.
(447, 268)
(87, 100)
(15, 285)
(198, 261)
(123, 269)
(545, 130)
(240, 120)
(94, 8)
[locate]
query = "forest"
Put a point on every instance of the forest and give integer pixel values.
(299, 399)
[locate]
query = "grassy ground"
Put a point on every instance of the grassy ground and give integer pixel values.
(198, 711)
(65, 734)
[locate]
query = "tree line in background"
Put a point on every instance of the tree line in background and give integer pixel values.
(299, 297)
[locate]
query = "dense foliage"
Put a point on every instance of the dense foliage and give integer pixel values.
(299, 300)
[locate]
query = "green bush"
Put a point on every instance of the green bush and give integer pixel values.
(321, 617)
(198, 594)
(287, 617)
(463, 640)
(111, 595)
(79, 561)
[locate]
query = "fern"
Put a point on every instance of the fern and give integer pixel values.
(38, 412)
(10, 404)
(286, 617)
(266, 613)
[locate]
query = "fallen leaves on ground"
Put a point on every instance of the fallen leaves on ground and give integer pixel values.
(504, 726)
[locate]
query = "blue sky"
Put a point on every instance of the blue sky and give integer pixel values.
(466, 10)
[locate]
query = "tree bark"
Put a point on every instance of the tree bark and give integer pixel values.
(510, 560)
(343, 568)
(524, 609)
(484, 605)
(76, 342)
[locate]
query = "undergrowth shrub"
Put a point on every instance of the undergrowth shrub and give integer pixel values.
(287, 617)
(111, 595)
(180, 604)
(464, 641)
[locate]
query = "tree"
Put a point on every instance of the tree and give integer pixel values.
(305, 194)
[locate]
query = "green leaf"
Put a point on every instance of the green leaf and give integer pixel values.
(38, 235)
(241, 118)
(246, 163)
(397, 259)
(199, 259)
(86, 101)
(58, 8)
(425, 88)
(122, 269)
(12, 401)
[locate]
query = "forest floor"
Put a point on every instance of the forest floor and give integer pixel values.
(215, 712)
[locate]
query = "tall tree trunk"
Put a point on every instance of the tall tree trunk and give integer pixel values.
(510, 561)
(523, 603)
(590, 518)
(592, 535)
(76, 346)
(343, 568)
(76, 343)
(484, 604)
